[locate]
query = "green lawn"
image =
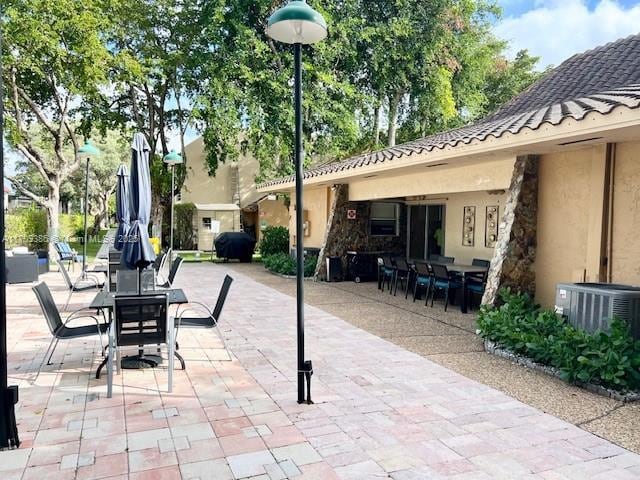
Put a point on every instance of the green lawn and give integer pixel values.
(206, 257)
(93, 246)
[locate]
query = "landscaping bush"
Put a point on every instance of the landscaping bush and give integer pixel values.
(610, 359)
(274, 240)
(285, 264)
(26, 227)
(71, 226)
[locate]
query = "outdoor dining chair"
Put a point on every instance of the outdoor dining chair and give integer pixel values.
(81, 284)
(140, 320)
(443, 280)
(476, 284)
(59, 328)
(211, 318)
(127, 281)
(402, 273)
(175, 268)
(67, 254)
(388, 272)
(423, 279)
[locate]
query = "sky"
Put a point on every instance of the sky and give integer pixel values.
(556, 29)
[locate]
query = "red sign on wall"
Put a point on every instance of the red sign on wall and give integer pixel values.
(351, 214)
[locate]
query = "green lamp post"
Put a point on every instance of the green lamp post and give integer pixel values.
(172, 159)
(298, 24)
(89, 150)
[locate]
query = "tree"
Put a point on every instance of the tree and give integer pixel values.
(54, 62)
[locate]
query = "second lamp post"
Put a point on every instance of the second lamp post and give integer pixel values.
(172, 159)
(298, 24)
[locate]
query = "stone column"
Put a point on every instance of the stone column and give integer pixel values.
(513, 261)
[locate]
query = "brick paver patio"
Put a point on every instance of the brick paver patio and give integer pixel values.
(380, 412)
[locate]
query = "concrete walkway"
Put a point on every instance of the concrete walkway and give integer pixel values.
(381, 411)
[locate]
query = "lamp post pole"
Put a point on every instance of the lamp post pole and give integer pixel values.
(8, 394)
(298, 24)
(297, 53)
(172, 159)
(86, 213)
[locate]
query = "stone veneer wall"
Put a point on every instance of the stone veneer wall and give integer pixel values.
(343, 235)
(515, 254)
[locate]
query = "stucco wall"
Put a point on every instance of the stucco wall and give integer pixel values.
(272, 213)
(490, 175)
(316, 204)
(563, 220)
(199, 187)
(229, 221)
(454, 213)
(625, 258)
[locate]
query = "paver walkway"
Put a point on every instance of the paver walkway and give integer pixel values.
(380, 412)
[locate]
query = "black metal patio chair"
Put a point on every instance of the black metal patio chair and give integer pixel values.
(59, 328)
(443, 280)
(476, 284)
(402, 273)
(175, 268)
(211, 318)
(140, 320)
(81, 284)
(388, 272)
(423, 279)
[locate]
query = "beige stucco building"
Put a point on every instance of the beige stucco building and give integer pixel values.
(230, 197)
(547, 187)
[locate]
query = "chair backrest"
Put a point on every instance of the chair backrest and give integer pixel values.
(114, 255)
(222, 297)
(49, 307)
(141, 319)
(112, 274)
(440, 272)
(444, 259)
(159, 261)
(127, 281)
(63, 254)
(175, 266)
(387, 262)
(65, 274)
(478, 262)
(422, 269)
(402, 264)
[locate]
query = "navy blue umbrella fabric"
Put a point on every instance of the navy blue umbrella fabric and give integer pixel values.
(122, 207)
(137, 251)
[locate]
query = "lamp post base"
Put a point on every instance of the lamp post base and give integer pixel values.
(8, 427)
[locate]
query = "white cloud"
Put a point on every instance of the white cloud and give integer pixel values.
(557, 29)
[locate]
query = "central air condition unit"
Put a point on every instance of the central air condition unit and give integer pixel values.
(591, 306)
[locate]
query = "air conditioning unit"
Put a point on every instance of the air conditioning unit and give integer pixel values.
(591, 306)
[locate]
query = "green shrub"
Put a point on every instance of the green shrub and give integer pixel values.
(285, 264)
(26, 227)
(71, 225)
(274, 240)
(610, 359)
(184, 237)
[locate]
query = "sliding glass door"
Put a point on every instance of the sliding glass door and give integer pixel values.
(426, 231)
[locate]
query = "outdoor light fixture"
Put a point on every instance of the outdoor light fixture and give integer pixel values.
(89, 150)
(298, 24)
(172, 159)
(8, 393)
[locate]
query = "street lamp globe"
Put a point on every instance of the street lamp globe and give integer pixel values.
(297, 22)
(172, 158)
(89, 149)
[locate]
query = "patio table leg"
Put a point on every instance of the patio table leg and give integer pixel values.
(463, 303)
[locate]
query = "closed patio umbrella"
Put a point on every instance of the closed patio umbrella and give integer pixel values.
(122, 207)
(137, 251)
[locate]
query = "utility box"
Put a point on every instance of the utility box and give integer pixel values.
(591, 306)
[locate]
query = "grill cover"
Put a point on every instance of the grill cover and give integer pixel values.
(235, 245)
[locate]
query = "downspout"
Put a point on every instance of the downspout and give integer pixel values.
(611, 170)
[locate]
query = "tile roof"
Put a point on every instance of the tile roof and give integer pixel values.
(595, 81)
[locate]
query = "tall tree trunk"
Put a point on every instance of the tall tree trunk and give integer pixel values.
(376, 126)
(53, 220)
(394, 102)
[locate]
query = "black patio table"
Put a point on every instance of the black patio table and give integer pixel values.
(105, 301)
(463, 271)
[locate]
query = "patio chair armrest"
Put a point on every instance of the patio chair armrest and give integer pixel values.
(197, 307)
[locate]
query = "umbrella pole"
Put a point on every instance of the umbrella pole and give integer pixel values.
(8, 394)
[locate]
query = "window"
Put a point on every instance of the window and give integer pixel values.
(384, 219)
(206, 223)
